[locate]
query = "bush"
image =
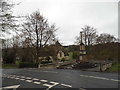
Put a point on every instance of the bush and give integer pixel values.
(63, 59)
(46, 62)
(75, 55)
(27, 65)
(17, 62)
(9, 66)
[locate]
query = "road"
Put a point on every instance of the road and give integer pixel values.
(58, 78)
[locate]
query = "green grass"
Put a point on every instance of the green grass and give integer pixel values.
(114, 68)
(9, 66)
(70, 55)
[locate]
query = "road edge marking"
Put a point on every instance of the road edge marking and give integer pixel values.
(100, 78)
(66, 85)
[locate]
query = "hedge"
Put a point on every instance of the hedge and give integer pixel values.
(27, 65)
(46, 62)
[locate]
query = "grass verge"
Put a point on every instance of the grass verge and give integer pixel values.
(9, 66)
(114, 68)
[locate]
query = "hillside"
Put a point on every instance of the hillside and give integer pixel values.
(108, 51)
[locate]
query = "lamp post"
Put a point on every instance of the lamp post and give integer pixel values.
(82, 50)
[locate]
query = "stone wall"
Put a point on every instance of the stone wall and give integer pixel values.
(106, 66)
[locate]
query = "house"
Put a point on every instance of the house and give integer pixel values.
(61, 52)
(55, 51)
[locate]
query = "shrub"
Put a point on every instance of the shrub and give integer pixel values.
(75, 55)
(63, 59)
(46, 62)
(17, 62)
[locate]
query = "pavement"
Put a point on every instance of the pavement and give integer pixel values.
(58, 79)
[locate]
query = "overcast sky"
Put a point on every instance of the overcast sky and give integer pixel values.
(71, 15)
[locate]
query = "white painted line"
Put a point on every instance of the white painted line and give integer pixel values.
(36, 82)
(115, 80)
(84, 75)
(28, 80)
(82, 89)
(11, 87)
(22, 76)
(44, 71)
(35, 79)
(66, 85)
(99, 78)
(4, 75)
(47, 85)
(12, 77)
(22, 79)
(8, 77)
(43, 80)
(17, 78)
(50, 71)
(54, 82)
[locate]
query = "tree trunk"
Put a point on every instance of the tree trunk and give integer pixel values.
(37, 44)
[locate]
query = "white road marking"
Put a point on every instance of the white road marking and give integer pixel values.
(115, 80)
(12, 77)
(35, 79)
(82, 89)
(50, 71)
(22, 79)
(17, 78)
(44, 71)
(22, 76)
(47, 85)
(28, 80)
(99, 78)
(66, 85)
(50, 86)
(4, 75)
(8, 77)
(36, 82)
(43, 80)
(10, 87)
(54, 82)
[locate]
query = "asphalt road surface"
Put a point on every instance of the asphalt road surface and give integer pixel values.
(57, 78)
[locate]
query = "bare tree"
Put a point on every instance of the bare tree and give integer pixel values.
(89, 35)
(38, 31)
(105, 38)
(7, 20)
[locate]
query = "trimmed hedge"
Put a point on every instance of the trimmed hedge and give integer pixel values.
(27, 65)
